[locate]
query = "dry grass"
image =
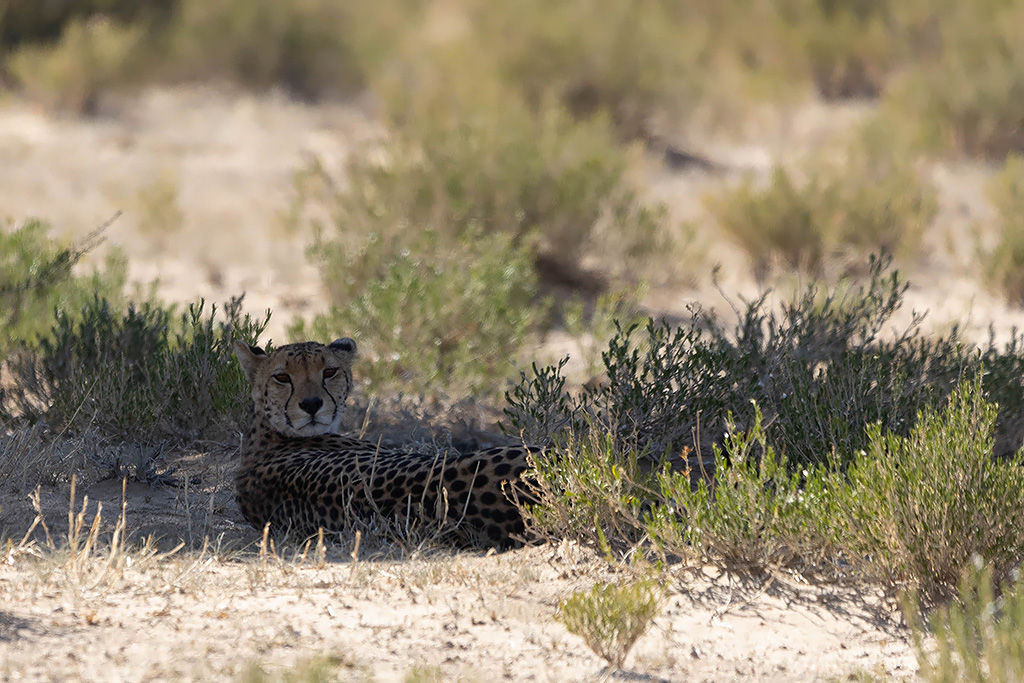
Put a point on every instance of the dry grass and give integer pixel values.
(28, 457)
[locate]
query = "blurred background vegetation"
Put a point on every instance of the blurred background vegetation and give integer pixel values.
(512, 135)
(950, 70)
(503, 197)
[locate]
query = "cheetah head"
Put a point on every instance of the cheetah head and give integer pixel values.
(300, 389)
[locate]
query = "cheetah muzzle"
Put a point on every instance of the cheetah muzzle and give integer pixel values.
(299, 475)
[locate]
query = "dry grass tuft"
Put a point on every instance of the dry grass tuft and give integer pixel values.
(91, 557)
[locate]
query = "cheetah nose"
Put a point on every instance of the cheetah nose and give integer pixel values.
(311, 405)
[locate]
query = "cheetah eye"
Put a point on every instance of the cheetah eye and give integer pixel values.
(330, 372)
(283, 378)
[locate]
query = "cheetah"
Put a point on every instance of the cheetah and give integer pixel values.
(298, 474)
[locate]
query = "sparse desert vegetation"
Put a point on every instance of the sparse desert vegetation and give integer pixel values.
(870, 197)
(689, 247)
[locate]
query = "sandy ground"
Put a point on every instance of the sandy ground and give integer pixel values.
(231, 161)
(468, 618)
(211, 614)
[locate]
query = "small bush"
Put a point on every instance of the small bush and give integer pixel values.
(1003, 265)
(92, 56)
(586, 488)
(467, 156)
(419, 673)
(607, 56)
(436, 313)
(747, 509)
(476, 197)
(820, 366)
(33, 22)
(966, 93)
(757, 513)
(921, 506)
(611, 617)
(850, 47)
(158, 207)
(303, 46)
(914, 495)
(777, 225)
(310, 48)
(144, 375)
(655, 389)
(913, 507)
(874, 198)
(977, 637)
(37, 275)
(319, 669)
(29, 457)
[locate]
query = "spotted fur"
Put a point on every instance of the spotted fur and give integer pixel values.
(298, 474)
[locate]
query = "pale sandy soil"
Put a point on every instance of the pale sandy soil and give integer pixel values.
(472, 618)
(207, 616)
(210, 615)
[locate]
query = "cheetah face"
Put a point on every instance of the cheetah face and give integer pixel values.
(300, 389)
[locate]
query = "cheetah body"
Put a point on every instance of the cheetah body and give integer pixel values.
(298, 474)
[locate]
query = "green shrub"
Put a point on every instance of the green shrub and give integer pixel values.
(977, 637)
(37, 275)
(745, 508)
(606, 56)
(820, 366)
(874, 198)
(850, 47)
(91, 56)
(476, 197)
(142, 376)
(965, 94)
(921, 506)
(419, 673)
(1003, 264)
(25, 22)
(311, 48)
(910, 509)
(655, 389)
(319, 669)
(466, 156)
(438, 313)
(755, 514)
(304, 46)
(158, 207)
(611, 617)
(640, 459)
(586, 488)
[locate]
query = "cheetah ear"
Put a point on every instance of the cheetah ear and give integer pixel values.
(345, 345)
(249, 357)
